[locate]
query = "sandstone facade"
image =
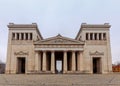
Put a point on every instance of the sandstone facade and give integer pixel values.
(29, 52)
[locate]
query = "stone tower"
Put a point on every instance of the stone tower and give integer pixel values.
(97, 50)
(20, 46)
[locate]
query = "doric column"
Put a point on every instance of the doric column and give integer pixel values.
(88, 36)
(28, 36)
(73, 61)
(24, 36)
(20, 36)
(40, 60)
(52, 62)
(78, 61)
(15, 36)
(37, 61)
(81, 61)
(44, 61)
(65, 62)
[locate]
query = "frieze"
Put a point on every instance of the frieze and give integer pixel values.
(98, 42)
(58, 46)
(21, 53)
(96, 53)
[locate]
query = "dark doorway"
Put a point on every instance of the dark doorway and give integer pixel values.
(96, 65)
(21, 65)
(58, 62)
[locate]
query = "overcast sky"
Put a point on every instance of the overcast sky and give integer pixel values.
(60, 16)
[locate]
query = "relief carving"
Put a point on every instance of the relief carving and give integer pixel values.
(59, 41)
(96, 53)
(21, 53)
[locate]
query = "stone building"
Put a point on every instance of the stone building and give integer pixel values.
(29, 52)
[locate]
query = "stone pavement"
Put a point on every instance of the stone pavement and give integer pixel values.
(60, 80)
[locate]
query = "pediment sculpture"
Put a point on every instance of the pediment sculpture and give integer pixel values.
(59, 40)
(96, 53)
(21, 53)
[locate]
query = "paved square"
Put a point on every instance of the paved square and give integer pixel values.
(60, 80)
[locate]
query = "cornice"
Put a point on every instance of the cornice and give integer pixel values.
(105, 25)
(12, 25)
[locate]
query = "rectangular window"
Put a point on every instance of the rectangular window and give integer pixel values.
(13, 36)
(26, 36)
(86, 36)
(95, 36)
(91, 35)
(104, 36)
(22, 36)
(99, 36)
(17, 36)
(30, 36)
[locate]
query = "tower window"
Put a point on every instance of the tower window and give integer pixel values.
(86, 36)
(99, 36)
(104, 36)
(17, 36)
(13, 36)
(22, 36)
(26, 36)
(30, 36)
(95, 34)
(91, 35)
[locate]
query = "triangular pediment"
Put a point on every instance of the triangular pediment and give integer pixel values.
(59, 40)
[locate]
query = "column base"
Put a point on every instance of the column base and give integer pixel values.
(13, 72)
(40, 72)
(65, 72)
(75, 72)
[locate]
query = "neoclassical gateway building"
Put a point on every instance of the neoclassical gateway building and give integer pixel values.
(29, 52)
